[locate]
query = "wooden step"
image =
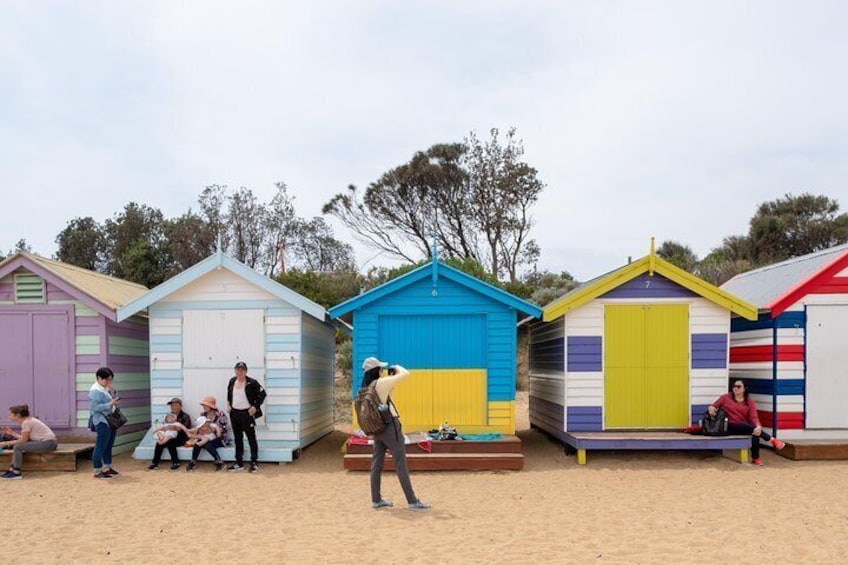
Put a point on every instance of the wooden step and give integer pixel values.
(443, 462)
(507, 444)
(815, 449)
(63, 459)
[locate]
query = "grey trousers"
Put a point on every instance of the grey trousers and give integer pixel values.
(391, 438)
(31, 447)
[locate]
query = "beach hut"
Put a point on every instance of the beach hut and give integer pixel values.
(457, 336)
(794, 355)
(643, 347)
(219, 312)
(58, 325)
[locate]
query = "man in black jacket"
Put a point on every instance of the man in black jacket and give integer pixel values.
(244, 399)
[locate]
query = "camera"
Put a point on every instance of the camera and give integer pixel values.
(391, 370)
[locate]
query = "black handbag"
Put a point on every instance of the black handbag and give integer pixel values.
(714, 425)
(116, 418)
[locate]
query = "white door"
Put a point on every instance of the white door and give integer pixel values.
(827, 366)
(213, 341)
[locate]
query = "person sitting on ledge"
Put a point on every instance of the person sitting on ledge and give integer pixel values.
(742, 419)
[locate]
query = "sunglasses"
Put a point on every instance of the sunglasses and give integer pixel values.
(737, 386)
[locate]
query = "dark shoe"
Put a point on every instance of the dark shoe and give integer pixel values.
(112, 472)
(152, 467)
(235, 467)
(382, 504)
(254, 467)
(418, 505)
(191, 466)
(102, 475)
(175, 466)
(11, 475)
(219, 465)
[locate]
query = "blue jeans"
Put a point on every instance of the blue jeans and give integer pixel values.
(102, 456)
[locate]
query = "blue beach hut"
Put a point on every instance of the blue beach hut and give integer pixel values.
(457, 336)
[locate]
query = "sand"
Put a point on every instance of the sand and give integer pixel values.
(623, 507)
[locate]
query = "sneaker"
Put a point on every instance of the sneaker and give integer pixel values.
(382, 504)
(418, 505)
(175, 466)
(152, 467)
(758, 462)
(254, 467)
(112, 472)
(191, 466)
(11, 475)
(101, 475)
(236, 467)
(219, 465)
(691, 429)
(777, 444)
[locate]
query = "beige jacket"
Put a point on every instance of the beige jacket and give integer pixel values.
(387, 383)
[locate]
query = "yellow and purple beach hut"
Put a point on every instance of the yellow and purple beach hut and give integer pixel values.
(644, 347)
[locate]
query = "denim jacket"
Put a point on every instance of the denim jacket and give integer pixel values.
(98, 404)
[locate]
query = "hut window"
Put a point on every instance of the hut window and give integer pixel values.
(29, 289)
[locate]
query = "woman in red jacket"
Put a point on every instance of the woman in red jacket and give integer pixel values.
(742, 418)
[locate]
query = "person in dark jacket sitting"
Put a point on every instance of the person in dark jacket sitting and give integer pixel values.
(244, 399)
(176, 406)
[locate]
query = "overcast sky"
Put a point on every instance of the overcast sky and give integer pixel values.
(673, 119)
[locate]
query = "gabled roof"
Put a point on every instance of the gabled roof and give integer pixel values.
(215, 261)
(101, 292)
(777, 287)
(435, 269)
(651, 264)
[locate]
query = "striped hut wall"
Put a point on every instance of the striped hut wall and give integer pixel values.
(128, 355)
(283, 368)
(709, 329)
(584, 377)
(317, 379)
(547, 375)
(752, 347)
(166, 359)
(7, 290)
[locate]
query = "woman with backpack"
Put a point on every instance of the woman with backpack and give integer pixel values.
(741, 411)
(391, 437)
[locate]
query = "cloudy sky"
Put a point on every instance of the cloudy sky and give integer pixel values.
(667, 119)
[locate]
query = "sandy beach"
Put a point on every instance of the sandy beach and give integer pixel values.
(623, 507)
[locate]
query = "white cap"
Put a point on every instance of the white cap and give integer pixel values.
(372, 362)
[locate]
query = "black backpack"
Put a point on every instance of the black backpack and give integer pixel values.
(714, 425)
(371, 420)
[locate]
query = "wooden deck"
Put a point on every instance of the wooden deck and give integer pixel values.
(815, 450)
(648, 440)
(454, 455)
(63, 459)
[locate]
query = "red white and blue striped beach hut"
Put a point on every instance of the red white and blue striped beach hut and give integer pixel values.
(794, 357)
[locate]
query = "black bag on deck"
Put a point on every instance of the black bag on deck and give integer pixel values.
(714, 425)
(368, 415)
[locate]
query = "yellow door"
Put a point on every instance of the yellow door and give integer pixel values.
(646, 366)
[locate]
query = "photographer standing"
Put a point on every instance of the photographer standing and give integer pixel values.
(390, 438)
(244, 398)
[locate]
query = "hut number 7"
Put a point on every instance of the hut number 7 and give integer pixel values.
(647, 283)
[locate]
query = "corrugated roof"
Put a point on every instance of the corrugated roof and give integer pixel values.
(109, 291)
(764, 286)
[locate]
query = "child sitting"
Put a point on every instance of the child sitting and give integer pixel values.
(168, 430)
(204, 432)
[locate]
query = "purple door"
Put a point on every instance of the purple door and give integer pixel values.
(51, 368)
(15, 362)
(35, 364)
